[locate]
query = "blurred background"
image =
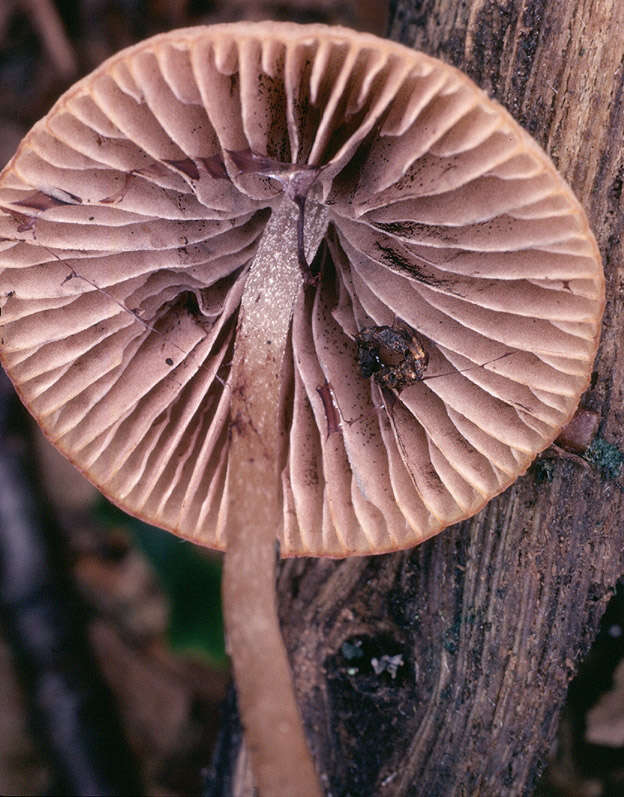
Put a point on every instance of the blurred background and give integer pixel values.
(112, 661)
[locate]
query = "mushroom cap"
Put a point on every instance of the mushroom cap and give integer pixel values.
(128, 220)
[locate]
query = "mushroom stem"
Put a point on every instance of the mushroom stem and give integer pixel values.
(281, 761)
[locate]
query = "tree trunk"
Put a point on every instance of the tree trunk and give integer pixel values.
(491, 618)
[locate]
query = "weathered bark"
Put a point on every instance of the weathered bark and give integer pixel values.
(492, 617)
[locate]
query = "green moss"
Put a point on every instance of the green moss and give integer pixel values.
(606, 457)
(543, 470)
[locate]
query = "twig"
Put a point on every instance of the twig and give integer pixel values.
(46, 20)
(6, 10)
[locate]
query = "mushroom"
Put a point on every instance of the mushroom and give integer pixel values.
(265, 282)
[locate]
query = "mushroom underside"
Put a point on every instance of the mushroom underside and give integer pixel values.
(130, 217)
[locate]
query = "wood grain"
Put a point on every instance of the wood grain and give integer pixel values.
(492, 617)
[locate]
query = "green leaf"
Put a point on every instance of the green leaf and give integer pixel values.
(191, 580)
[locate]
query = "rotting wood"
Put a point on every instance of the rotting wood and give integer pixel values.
(492, 617)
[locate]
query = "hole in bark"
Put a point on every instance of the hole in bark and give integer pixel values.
(371, 663)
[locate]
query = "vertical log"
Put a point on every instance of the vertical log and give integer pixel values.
(485, 624)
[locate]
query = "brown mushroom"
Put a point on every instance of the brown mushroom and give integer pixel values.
(264, 281)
